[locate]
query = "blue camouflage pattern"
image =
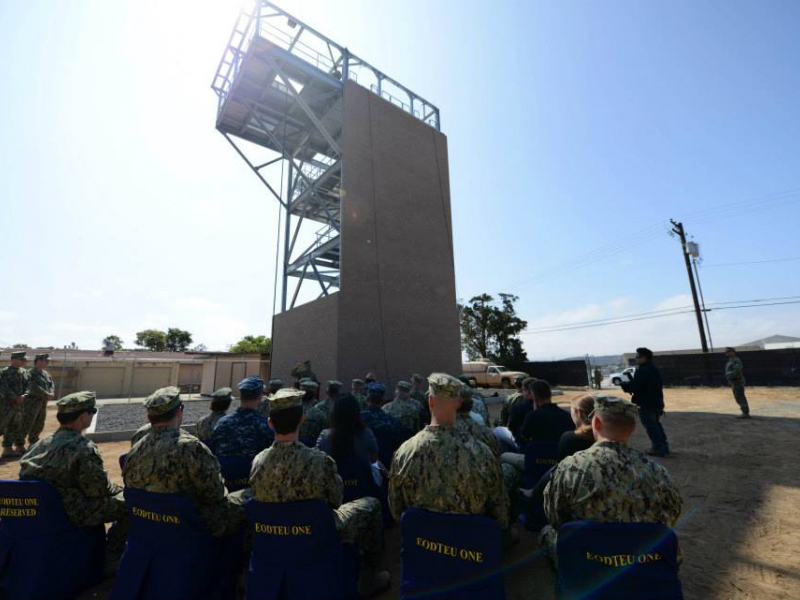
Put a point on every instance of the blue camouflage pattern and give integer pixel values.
(243, 433)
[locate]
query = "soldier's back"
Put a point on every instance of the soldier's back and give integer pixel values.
(472, 430)
(243, 433)
(612, 482)
(206, 424)
(407, 412)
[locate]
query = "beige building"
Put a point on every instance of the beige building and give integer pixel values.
(134, 374)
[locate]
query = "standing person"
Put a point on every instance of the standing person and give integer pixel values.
(14, 383)
(42, 390)
(441, 470)
(245, 432)
(388, 430)
(511, 400)
(303, 371)
(263, 406)
(598, 379)
(170, 461)
(72, 464)
(648, 394)
(357, 387)
(220, 403)
(404, 408)
(734, 373)
(291, 472)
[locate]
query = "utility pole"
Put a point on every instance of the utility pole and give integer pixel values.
(677, 228)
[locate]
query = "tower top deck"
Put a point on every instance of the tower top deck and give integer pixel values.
(320, 57)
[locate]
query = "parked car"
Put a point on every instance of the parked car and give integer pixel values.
(618, 378)
(485, 373)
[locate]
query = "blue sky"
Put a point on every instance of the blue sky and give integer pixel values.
(573, 127)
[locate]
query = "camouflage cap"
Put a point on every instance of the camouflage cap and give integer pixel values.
(404, 386)
(359, 382)
(612, 405)
(222, 394)
(417, 377)
(443, 385)
(334, 384)
(370, 377)
(285, 398)
(276, 383)
(308, 384)
(19, 355)
(162, 400)
(42, 357)
(76, 402)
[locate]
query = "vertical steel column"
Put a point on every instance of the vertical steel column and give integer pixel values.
(287, 232)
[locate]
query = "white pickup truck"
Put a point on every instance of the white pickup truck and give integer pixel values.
(626, 375)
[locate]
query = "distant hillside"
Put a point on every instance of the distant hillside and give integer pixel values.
(601, 361)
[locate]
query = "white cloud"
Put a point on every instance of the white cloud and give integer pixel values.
(196, 303)
(82, 328)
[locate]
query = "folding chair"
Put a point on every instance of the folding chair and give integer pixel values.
(170, 552)
(235, 471)
(617, 561)
(297, 553)
(357, 479)
(36, 538)
(450, 557)
(540, 457)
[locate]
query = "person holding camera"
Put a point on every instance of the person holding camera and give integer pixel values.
(648, 394)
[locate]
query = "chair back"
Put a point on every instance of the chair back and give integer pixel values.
(296, 552)
(123, 458)
(540, 457)
(235, 472)
(357, 479)
(450, 557)
(35, 536)
(617, 561)
(169, 552)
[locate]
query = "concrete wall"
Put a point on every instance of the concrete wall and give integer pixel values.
(397, 307)
(308, 332)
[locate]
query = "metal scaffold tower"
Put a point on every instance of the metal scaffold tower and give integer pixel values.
(280, 88)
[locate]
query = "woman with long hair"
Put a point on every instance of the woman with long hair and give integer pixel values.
(348, 437)
(582, 438)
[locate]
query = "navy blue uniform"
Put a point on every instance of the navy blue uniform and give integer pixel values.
(243, 433)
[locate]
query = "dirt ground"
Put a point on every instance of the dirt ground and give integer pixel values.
(741, 493)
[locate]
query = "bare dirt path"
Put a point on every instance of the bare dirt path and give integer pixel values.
(740, 483)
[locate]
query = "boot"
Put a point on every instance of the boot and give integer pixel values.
(372, 582)
(8, 452)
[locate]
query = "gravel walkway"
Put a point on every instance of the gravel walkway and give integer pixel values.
(127, 417)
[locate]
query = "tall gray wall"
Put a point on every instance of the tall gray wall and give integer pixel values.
(396, 311)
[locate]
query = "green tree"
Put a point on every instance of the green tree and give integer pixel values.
(491, 330)
(20, 346)
(253, 343)
(114, 340)
(178, 340)
(152, 339)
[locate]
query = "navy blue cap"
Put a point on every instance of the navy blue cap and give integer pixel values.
(254, 383)
(377, 387)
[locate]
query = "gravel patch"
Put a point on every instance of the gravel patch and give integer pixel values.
(126, 417)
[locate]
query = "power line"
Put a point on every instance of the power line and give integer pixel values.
(752, 262)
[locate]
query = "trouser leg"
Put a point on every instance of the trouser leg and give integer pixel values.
(360, 521)
(11, 424)
(505, 439)
(741, 399)
(34, 414)
(512, 479)
(655, 431)
(515, 459)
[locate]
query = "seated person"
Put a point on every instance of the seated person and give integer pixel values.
(442, 471)
(263, 406)
(610, 482)
(509, 437)
(357, 388)
(170, 461)
(389, 432)
(511, 400)
(290, 472)
(311, 428)
(348, 437)
(548, 421)
(479, 411)
(245, 432)
(72, 464)
(220, 403)
(318, 417)
(419, 392)
(404, 408)
(582, 438)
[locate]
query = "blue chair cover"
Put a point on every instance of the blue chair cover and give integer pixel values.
(540, 457)
(617, 561)
(170, 552)
(452, 557)
(357, 479)
(123, 458)
(297, 553)
(235, 471)
(36, 538)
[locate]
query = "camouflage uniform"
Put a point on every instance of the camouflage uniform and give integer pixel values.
(72, 464)
(207, 423)
(734, 373)
(479, 406)
(35, 405)
(291, 472)
(170, 461)
(14, 382)
(422, 398)
(610, 483)
(140, 433)
(242, 433)
(388, 430)
(263, 408)
(300, 373)
(442, 471)
(315, 422)
(407, 412)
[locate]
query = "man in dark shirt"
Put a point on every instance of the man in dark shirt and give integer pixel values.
(648, 393)
(548, 421)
